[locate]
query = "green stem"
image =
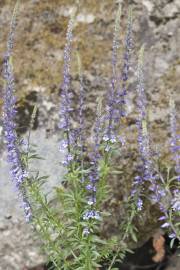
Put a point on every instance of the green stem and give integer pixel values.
(49, 214)
(46, 236)
(123, 239)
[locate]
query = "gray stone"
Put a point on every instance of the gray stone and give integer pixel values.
(19, 246)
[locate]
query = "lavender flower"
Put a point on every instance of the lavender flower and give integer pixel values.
(148, 173)
(91, 214)
(162, 218)
(66, 95)
(165, 225)
(95, 156)
(143, 137)
(67, 160)
(91, 187)
(17, 171)
(136, 191)
(176, 201)
(139, 204)
(122, 89)
(172, 235)
(136, 185)
(111, 97)
(94, 172)
(63, 145)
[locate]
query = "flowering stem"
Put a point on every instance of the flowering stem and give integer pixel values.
(122, 89)
(172, 225)
(18, 170)
(81, 117)
(111, 98)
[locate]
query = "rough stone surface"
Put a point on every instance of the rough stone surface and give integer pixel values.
(38, 57)
(19, 246)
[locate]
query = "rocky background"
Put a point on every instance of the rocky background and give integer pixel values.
(38, 59)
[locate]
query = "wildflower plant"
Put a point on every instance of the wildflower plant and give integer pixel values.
(18, 170)
(163, 188)
(169, 184)
(71, 229)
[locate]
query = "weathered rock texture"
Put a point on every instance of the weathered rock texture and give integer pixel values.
(19, 247)
(38, 57)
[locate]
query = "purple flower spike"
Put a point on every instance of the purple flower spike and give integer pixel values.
(136, 191)
(122, 89)
(111, 111)
(17, 171)
(66, 95)
(143, 136)
(94, 160)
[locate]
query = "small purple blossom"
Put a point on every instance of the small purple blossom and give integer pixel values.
(91, 214)
(162, 218)
(136, 185)
(158, 193)
(63, 145)
(175, 202)
(91, 187)
(172, 235)
(27, 209)
(136, 191)
(165, 225)
(139, 204)
(86, 232)
(112, 139)
(67, 159)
